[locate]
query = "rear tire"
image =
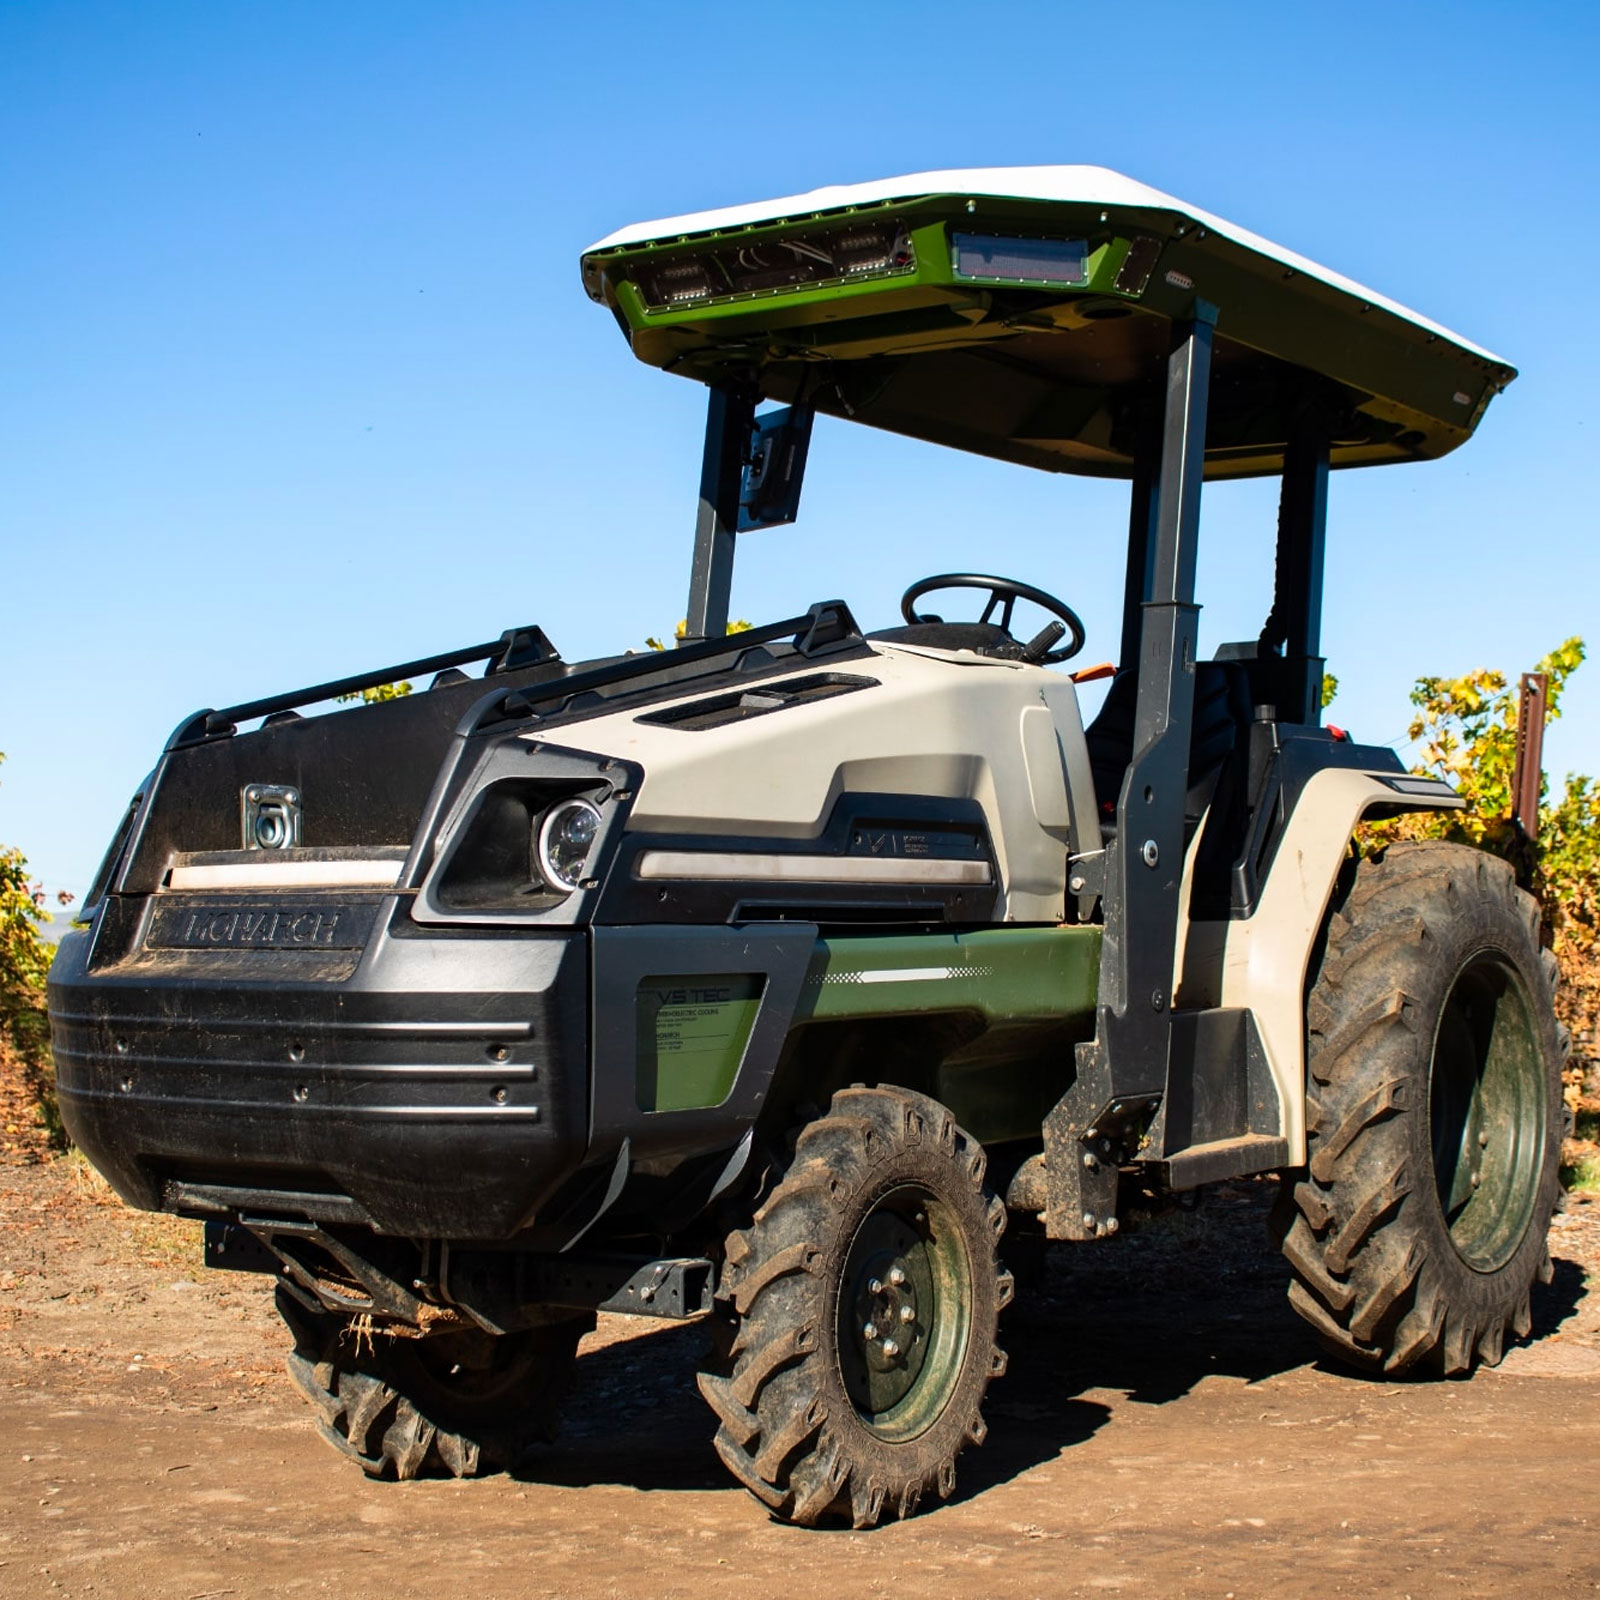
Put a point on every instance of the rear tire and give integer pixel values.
(456, 1404)
(1419, 1224)
(867, 1293)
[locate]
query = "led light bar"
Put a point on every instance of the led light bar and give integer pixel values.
(768, 266)
(991, 258)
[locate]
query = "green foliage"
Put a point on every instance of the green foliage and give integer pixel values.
(24, 956)
(1466, 732)
(24, 964)
(379, 691)
(681, 632)
(1330, 687)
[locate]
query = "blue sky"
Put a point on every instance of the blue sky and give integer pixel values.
(297, 376)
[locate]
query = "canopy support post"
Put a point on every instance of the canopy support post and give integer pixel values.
(730, 414)
(1122, 1073)
(1141, 528)
(1296, 620)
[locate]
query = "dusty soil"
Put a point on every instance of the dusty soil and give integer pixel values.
(1165, 1429)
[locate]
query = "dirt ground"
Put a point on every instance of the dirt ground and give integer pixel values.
(1165, 1429)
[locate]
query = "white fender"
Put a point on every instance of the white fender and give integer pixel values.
(1261, 961)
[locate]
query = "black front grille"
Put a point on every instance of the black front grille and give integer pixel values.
(442, 1087)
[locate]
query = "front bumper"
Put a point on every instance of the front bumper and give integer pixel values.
(436, 1086)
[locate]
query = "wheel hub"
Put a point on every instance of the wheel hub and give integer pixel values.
(890, 1294)
(903, 1313)
(886, 1306)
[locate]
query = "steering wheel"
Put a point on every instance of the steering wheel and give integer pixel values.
(1004, 593)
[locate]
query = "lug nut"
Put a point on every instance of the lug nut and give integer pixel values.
(890, 1348)
(869, 1332)
(908, 1313)
(897, 1276)
(874, 1285)
(1088, 1220)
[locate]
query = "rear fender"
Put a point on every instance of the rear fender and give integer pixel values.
(1264, 959)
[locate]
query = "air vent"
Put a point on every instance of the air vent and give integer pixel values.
(718, 711)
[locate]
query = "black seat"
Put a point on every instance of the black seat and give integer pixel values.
(1222, 711)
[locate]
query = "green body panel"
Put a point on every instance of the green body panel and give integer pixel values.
(1024, 994)
(1053, 376)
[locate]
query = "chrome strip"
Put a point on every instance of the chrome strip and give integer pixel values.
(288, 875)
(728, 866)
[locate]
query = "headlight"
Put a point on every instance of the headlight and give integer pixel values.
(566, 834)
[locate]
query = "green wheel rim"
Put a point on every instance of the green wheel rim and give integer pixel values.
(904, 1313)
(1487, 1111)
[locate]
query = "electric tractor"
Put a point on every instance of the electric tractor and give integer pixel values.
(764, 980)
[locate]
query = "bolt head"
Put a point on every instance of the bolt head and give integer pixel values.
(1477, 1178)
(1088, 1220)
(1112, 1224)
(1093, 1133)
(1091, 1161)
(908, 1314)
(891, 1348)
(1150, 853)
(869, 1331)
(874, 1285)
(1483, 1141)
(897, 1276)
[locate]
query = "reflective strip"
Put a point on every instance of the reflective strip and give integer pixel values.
(907, 975)
(288, 875)
(1434, 788)
(724, 866)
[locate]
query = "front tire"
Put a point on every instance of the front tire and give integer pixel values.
(867, 1293)
(455, 1404)
(1419, 1225)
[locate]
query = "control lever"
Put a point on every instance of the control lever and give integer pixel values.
(1043, 642)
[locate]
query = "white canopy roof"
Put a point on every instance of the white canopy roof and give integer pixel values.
(1080, 185)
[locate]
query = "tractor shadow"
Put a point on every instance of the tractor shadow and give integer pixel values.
(1553, 1302)
(1192, 1295)
(1181, 1296)
(1141, 1320)
(634, 1416)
